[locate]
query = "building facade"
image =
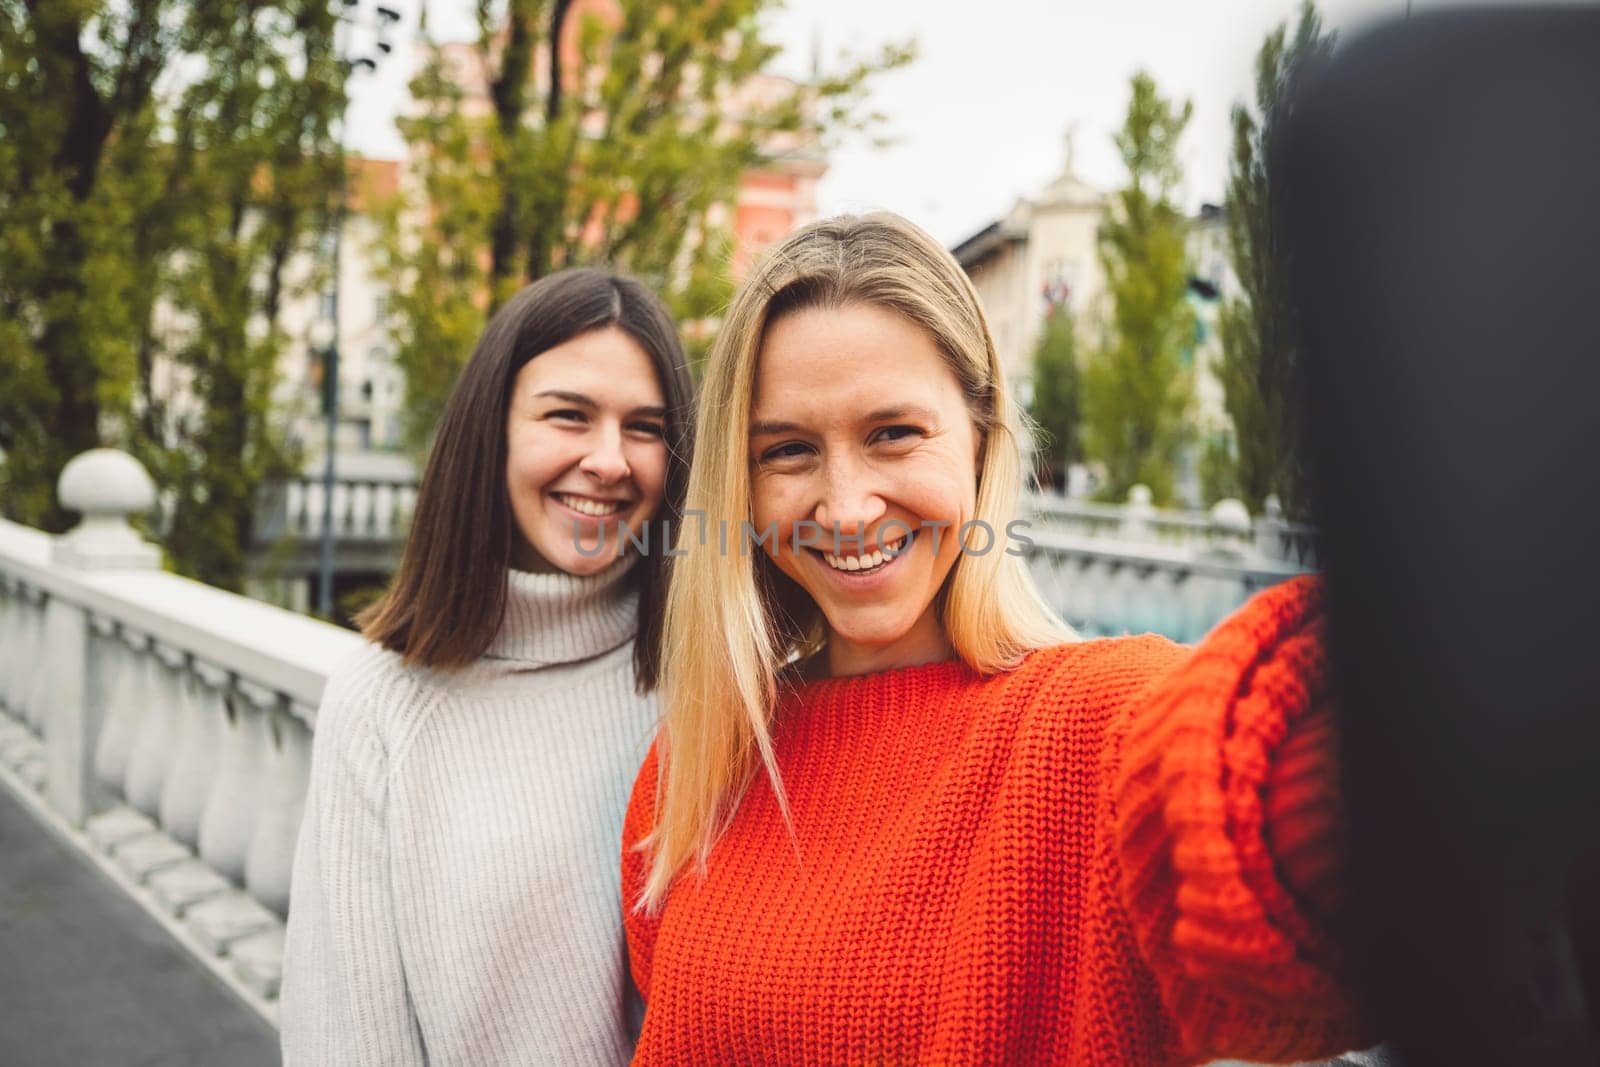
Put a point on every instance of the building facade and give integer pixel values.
(1044, 254)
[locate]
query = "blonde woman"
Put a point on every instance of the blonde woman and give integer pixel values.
(896, 812)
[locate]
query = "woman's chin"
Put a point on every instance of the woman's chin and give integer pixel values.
(577, 558)
(583, 566)
(870, 635)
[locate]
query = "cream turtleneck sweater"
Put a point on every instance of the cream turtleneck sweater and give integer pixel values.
(455, 896)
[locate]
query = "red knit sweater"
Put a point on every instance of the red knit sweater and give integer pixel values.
(1083, 861)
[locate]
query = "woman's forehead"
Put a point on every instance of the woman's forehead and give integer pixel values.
(854, 357)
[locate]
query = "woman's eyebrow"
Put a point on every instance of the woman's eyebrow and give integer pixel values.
(902, 411)
(571, 398)
(764, 427)
(649, 412)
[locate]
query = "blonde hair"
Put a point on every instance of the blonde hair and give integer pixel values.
(732, 619)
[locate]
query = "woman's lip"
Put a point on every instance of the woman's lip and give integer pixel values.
(860, 579)
(596, 499)
(585, 516)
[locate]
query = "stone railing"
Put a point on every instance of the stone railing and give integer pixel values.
(1106, 588)
(1226, 527)
(163, 725)
(372, 509)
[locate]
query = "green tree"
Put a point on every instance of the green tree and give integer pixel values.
(78, 80)
(163, 162)
(256, 167)
(1057, 386)
(1260, 347)
(610, 150)
(1137, 385)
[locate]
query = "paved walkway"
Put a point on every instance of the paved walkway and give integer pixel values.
(87, 979)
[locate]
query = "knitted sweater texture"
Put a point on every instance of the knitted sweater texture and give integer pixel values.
(455, 896)
(1117, 855)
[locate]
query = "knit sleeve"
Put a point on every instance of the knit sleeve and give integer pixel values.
(344, 999)
(1227, 832)
(639, 925)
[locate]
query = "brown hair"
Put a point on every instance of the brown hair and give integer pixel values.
(447, 599)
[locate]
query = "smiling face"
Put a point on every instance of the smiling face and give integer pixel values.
(586, 451)
(859, 421)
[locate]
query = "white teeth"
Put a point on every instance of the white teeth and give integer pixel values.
(590, 507)
(876, 558)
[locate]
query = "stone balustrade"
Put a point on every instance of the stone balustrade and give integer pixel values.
(1227, 527)
(371, 509)
(164, 724)
(1106, 587)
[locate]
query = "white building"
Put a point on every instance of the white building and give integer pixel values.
(1044, 253)
(370, 385)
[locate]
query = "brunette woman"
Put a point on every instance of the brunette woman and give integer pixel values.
(455, 895)
(897, 814)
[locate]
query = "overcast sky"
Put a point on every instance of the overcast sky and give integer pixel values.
(980, 118)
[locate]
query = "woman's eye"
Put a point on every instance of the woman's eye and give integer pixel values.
(897, 433)
(654, 429)
(789, 450)
(566, 415)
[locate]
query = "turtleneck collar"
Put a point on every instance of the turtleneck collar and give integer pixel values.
(563, 618)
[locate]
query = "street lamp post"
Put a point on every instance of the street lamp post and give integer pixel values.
(325, 331)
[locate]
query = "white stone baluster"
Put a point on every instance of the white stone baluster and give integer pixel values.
(1085, 594)
(295, 506)
(199, 749)
(234, 803)
(1230, 527)
(1269, 529)
(383, 509)
(194, 881)
(155, 743)
(271, 853)
(258, 958)
(82, 794)
(16, 642)
(125, 701)
(9, 642)
(20, 749)
(150, 764)
(36, 683)
(1137, 515)
(232, 814)
(313, 508)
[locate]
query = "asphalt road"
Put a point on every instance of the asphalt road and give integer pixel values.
(87, 979)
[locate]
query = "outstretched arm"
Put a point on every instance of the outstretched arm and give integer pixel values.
(1227, 830)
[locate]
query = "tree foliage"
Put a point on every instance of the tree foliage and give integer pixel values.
(1260, 347)
(162, 162)
(1056, 407)
(1136, 386)
(612, 148)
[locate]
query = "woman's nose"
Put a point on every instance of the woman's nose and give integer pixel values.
(849, 502)
(606, 462)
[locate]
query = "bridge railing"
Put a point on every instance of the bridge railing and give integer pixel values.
(1227, 526)
(164, 724)
(1106, 588)
(373, 509)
